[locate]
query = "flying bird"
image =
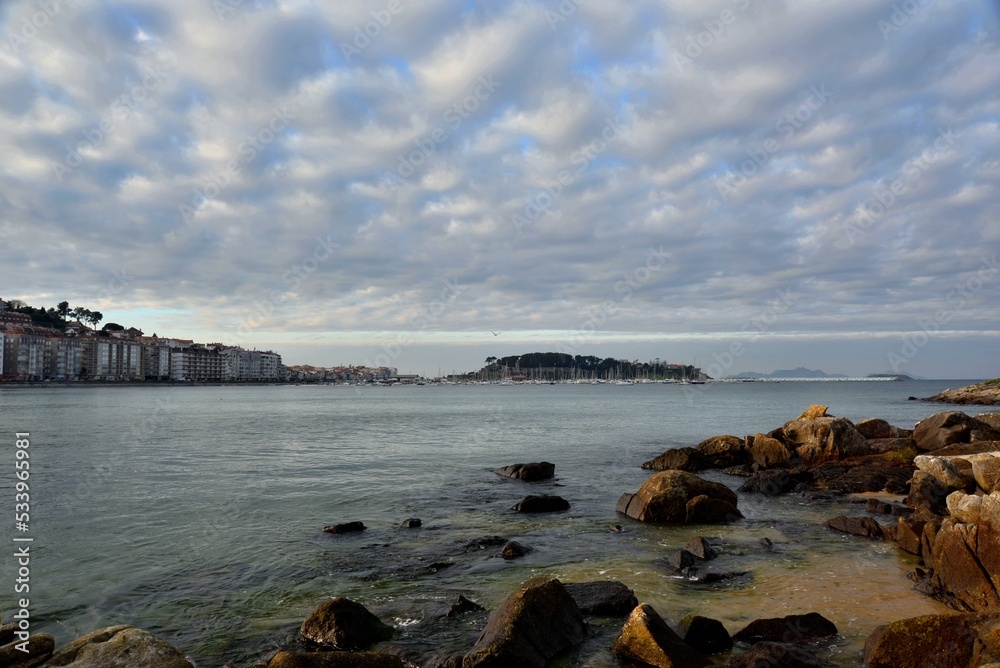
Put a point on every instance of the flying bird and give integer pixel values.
(495, 333)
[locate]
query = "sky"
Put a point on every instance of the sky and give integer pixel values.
(746, 185)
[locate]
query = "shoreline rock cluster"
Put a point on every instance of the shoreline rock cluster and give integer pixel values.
(947, 468)
(984, 394)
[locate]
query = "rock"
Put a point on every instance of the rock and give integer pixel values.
(344, 624)
(484, 543)
(705, 634)
(346, 527)
(908, 533)
(878, 507)
(964, 507)
(985, 469)
(825, 439)
(949, 640)
(942, 429)
(865, 527)
(534, 624)
(769, 452)
(943, 469)
(119, 647)
(462, 605)
(698, 576)
(701, 549)
(856, 479)
(513, 550)
(681, 559)
(981, 393)
(927, 491)
(770, 483)
(777, 655)
(39, 648)
(646, 638)
(990, 419)
(790, 629)
(965, 561)
(813, 412)
(412, 523)
(724, 451)
(531, 472)
(742, 470)
(876, 428)
(664, 498)
(336, 660)
(678, 459)
(901, 445)
(543, 503)
(964, 449)
(705, 510)
(604, 598)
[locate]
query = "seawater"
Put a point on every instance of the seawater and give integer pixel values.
(197, 512)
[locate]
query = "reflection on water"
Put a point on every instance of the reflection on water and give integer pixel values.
(205, 525)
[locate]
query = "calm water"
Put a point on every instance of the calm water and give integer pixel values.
(197, 513)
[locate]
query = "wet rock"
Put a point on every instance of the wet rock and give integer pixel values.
(665, 496)
(724, 451)
(535, 623)
(39, 648)
(791, 629)
(878, 507)
(700, 548)
(346, 527)
(773, 654)
(514, 550)
(412, 523)
(682, 559)
(543, 503)
(531, 472)
(951, 641)
(678, 459)
(344, 624)
(767, 544)
(484, 543)
(698, 575)
(908, 533)
(616, 528)
(943, 429)
(768, 452)
(741, 470)
(119, 646)
(944, 470)
(647, 638)
(705, 510)
(770, 483)
(860, 478)
(928, 492)
(865, 527)
(603, 598)
(825, 439)
(705, 634)
(336, 660)
(462, 605)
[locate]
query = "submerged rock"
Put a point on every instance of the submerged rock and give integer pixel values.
(678, 459)
(865, 527)
(412, 523)
(789, 629)
(336, 660)
(346, 527)
(647, 638)
(514, 550)
(530, 472)
(534, 624)
(701, 548)
(344, 624)
(541, 504)
(777, 655)
(462, 605)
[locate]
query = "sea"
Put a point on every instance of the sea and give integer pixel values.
(197, 513)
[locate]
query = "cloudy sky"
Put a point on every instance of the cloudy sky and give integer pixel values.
(748, 184)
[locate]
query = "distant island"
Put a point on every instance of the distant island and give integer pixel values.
(801, 372)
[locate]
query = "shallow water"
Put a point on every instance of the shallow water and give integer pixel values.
(197, 513)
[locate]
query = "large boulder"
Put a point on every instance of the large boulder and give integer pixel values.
(965, 556)
(777, 655)
(944, 469)
(985, 470)
(791, 629)
(27, 653)
(877, 428)
(770, 483)
(678, 459)
(665, 497)
(344, 624)
(859, 478)
(603, 598)
(927, 491)
(530, 472)
(944, 641)
(825, 439)
(941, 429)
(534, 624)
(768, 452)
(646, 638)
(705, 634)
(119, 647)
(724, 451)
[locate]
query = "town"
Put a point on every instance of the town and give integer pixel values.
(38, 345)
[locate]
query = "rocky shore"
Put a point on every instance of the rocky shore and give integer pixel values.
(946, 471)
(984, 394)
